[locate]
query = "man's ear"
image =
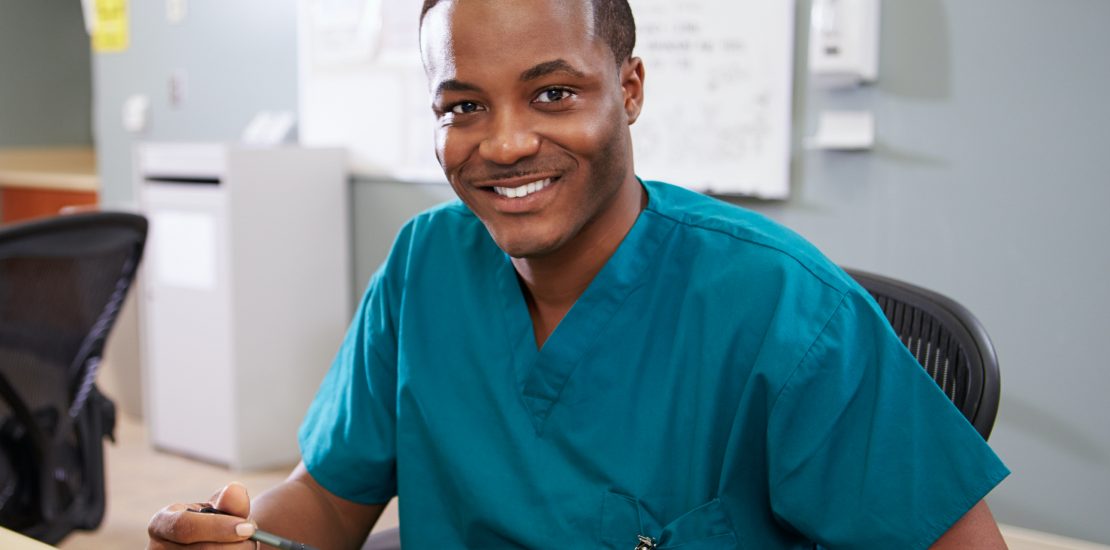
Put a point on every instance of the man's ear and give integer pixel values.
(632, 84)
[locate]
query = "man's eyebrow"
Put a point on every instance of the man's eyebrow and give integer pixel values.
(452, 85)
(548, 67)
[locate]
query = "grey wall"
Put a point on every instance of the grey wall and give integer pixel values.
(45, 87)
(988, 185)
(238, 58)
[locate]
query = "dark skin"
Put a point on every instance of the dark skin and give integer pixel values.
(554, 110)
(547, 118)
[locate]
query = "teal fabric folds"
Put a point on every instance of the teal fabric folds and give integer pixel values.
(720, 384)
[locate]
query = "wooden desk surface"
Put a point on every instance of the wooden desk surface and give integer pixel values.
(58, 169)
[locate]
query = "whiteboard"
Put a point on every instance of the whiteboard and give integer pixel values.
(716, 115)
(718, 84)
(362, 86)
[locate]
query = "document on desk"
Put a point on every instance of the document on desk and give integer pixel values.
(10, 540)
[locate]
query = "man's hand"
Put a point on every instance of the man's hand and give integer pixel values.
(178, 525)
(298, 509)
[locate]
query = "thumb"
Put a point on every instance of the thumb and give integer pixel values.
(233, 499)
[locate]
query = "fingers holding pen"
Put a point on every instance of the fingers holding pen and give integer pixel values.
(233, 499)
(178, 525)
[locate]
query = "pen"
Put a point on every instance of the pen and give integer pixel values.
(262, 536)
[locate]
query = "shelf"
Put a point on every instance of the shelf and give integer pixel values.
(57, 169)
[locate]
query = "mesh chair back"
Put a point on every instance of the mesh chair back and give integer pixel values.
(947, 340)
(62, 284)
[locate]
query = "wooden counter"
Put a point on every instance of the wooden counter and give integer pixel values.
(41, 182)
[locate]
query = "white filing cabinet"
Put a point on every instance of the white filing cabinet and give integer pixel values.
(246, 294)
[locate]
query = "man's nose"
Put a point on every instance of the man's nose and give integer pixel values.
(511, 139)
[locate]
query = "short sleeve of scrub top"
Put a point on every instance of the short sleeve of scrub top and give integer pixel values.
(858, 384)
(348, 436)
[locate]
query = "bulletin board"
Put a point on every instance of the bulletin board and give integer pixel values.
(718, 88)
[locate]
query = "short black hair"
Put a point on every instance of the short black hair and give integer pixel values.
(612, 20)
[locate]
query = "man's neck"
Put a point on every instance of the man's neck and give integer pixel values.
(553, 283)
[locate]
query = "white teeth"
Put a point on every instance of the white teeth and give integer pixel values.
(523, 190)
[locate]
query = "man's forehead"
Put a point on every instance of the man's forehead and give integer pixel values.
(571, 6)
(457, 27)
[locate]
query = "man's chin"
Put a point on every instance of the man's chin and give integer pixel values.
(525, 249)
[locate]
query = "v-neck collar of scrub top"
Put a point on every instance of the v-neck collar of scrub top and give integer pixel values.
(543, 373)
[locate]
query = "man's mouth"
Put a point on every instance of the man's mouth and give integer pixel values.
(522, 191)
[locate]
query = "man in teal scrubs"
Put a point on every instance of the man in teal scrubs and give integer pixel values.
(570, 357)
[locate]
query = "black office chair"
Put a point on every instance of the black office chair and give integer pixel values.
(947, 340)
(62, 283)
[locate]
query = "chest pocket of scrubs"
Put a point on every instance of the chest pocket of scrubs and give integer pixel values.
(706, 527)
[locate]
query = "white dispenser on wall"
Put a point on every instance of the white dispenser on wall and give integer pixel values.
(843, 54)
(844, 42)
(246, 294)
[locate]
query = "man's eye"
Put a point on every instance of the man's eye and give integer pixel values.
(551, 95)
(465, 107)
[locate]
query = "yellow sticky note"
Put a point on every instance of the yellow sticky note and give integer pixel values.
(110, 29)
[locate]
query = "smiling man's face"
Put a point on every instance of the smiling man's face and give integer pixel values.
(532, 115)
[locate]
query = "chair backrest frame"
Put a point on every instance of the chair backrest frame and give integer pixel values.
(984, 387)
(65, 237)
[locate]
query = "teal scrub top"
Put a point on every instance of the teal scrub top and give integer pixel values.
(720, 384)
